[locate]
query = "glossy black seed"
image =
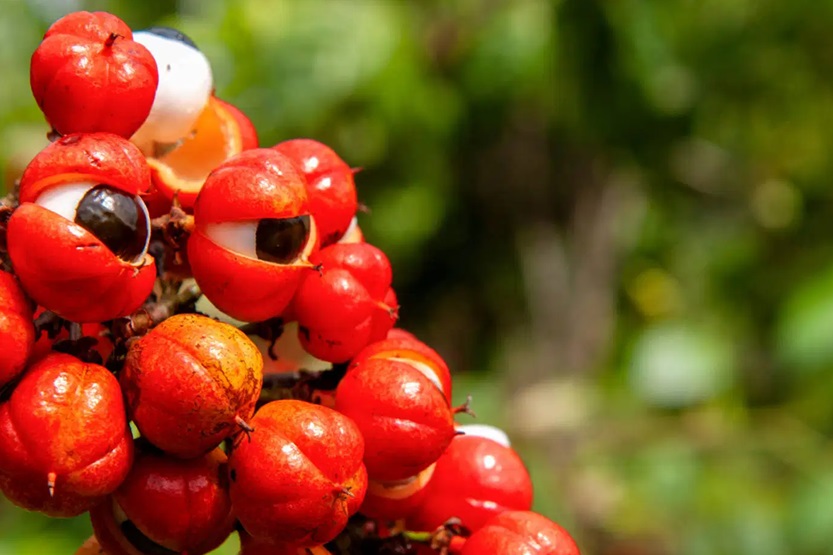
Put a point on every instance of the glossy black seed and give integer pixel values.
(281, 240)
(170, 33)
(116, 218)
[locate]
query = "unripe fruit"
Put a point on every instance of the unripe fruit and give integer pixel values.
(64, 439)
(190, 383)
(89, 75)
(404, 417)
(520, 533)
(330, 186)
(17, 334)
(300, 477)
(475, 479)
(253, 235)
(180, 505)
(78, 241)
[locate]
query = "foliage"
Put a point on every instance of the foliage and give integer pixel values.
(611, 217)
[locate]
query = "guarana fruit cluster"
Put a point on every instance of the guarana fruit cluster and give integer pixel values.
(152, 194)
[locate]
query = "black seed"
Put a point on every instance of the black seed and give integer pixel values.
(116, 218)
(141, 542)
(170, 33)
(233, 475)
(281, 240)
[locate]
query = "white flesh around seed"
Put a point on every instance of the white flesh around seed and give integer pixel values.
(64, 200)
(185, 84)
(237, 237)
(423, 369)
(484, 430)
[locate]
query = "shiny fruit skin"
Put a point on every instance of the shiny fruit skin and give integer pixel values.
(88, 75)
(188, 381)
(182, 505)
(405, 419)
(60, 264)
(17, 333)
(390, 501)
(330, 185)
(253, 185)
(475, 479)
(520, 533)
(259, 546)
(65, 418)
(300, 477)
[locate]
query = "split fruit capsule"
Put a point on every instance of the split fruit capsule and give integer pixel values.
(475, 479)
(301, 476)
(330, 186)
(253, 235)
(167, 505)
(89, 75)
(64, 438)
(78, 241)
(520, 533)
(17, 333)
(190, 383)
(406, 420)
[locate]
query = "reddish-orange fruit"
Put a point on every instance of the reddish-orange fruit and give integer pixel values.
(300, 477)
(253, 235)
(389, 501)
(78, 241)
(330, 186)
(89, 75)
(17, 333)
(259, 546)
(221, 131)
(190, 383)
(179, 505)
(412, 351)
(64, 439)
(520, 533)
(405, 419)
(475, 479)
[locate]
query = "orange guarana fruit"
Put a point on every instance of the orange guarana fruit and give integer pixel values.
(221, 131)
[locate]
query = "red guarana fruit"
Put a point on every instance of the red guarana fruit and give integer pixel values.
(253, 235)
(257, 546)
(64, 438)
(342, 309)
(405, 418)
(179, 505)
(69, 255)
(395, 500)
(300, 477)
(190, 383)
(330, 186)
(17, 333)
(88, 75)
(475, 479)
(520, 533)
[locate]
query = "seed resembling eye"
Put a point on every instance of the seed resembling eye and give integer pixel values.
(117, 219)
(275, 240)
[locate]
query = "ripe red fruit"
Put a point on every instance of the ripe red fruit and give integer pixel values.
(404, 417)
(390, 501)
(17, 334)
(300, 477)
(342, 308)
(258, 546)
(475, 479)
(78, 241)
(64, 439)
(190, 383)
(330, 186)
(253, 235)
(180, 505)
(412, 351)
(88, 75)
(520, 533)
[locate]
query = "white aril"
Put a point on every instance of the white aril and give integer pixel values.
(185, 85)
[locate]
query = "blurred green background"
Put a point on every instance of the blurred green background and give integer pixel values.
(613, 218)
